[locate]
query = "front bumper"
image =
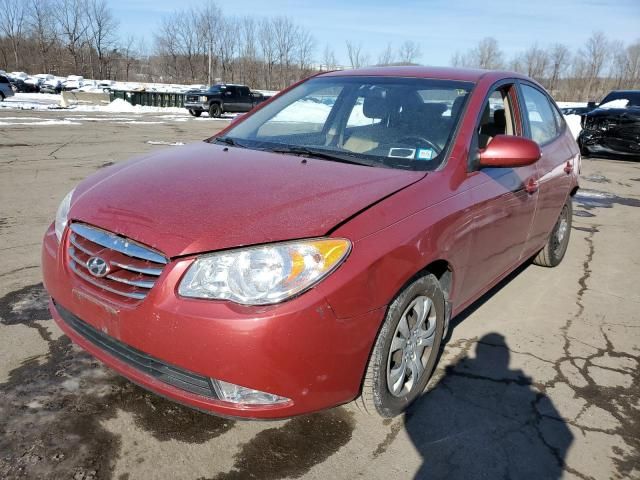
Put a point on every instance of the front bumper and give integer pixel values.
(197, 106)
(596, 141)
(298, 349)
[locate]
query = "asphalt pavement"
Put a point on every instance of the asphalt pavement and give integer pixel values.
(539, 379)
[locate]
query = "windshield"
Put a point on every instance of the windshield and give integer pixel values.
(378, 121)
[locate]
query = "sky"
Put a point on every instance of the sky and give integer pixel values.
(440, 27)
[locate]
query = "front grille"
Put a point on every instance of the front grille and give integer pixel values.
(132, 268)
(166, 373)
(192, 98)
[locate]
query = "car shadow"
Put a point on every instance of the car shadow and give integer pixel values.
(485, 420)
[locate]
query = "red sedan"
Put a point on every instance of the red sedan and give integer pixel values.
(314, 251)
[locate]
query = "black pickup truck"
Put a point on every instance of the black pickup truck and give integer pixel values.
(222, 98)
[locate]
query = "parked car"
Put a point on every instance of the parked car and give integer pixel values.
(52, 86)
(73, 82)
(613, 127)
(6, 90)
(311, 254)
(21, 86)
(221, 98)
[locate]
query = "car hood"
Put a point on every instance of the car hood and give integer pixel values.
(206, 197)
(632, 112)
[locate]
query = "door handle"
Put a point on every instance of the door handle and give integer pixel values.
(568, 168)
(532, 186)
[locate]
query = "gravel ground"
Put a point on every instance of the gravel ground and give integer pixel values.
(539, 379)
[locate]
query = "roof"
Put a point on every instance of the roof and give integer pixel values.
(438, 73)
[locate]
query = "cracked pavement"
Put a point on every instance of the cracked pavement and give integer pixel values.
(539, 379)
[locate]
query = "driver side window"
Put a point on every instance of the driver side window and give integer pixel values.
(497, 116)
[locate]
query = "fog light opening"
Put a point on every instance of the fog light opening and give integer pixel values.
(229, 392)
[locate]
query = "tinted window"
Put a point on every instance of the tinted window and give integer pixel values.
(244, 91)
(4, 79)
(542, 121)
(398, 122)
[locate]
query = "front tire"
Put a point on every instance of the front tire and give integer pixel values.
(406, 349)
(195, 113)
(215, 111)
(553, 252)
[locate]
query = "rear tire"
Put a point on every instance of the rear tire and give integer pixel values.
(2, 97)
(195, 113)
(553, 252)
(215, 111)
(406, 337)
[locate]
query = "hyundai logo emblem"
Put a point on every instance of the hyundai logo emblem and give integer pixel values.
(97, 267)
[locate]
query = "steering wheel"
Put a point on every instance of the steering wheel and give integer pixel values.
(418, 140)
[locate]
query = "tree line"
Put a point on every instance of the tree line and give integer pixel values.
(599, 66)
(202, 44)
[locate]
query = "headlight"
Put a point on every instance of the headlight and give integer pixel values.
(203, 99)
(62, 214)
(265, 274)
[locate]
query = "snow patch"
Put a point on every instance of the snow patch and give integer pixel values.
(45, 122)
(619, 103)
(162, 142)
(573, 121)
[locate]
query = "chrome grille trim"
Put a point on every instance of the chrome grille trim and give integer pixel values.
(132, 268)
(87, 278)
(135, 283)
(117, 243)
(72, 254)
(74, 241)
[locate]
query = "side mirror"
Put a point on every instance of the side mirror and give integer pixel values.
(509, 151)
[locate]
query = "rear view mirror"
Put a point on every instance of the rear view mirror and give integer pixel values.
(509, 151)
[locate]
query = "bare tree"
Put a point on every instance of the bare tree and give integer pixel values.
(42, 26)
(409, 52)
(594, 55)
(305, 46)
(209, 24)
(457, 60)
(486, 54)
(559, 56)
(357, 58)
(329, 58)
(12, 24)
(268, 50)
(387, 56)
(633, 69)
(71, 17)
(102, 31)
(249, 51)
(536, 62)
(285, 34)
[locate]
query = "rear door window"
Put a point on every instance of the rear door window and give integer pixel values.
(542, 121)
(4, 79)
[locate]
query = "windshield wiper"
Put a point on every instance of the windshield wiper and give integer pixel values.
(325, 155)
(229, 141)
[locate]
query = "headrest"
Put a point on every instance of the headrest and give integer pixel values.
(457, 104)
(433, 109)
(486, 115)
(376, 103)
(499, 118)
